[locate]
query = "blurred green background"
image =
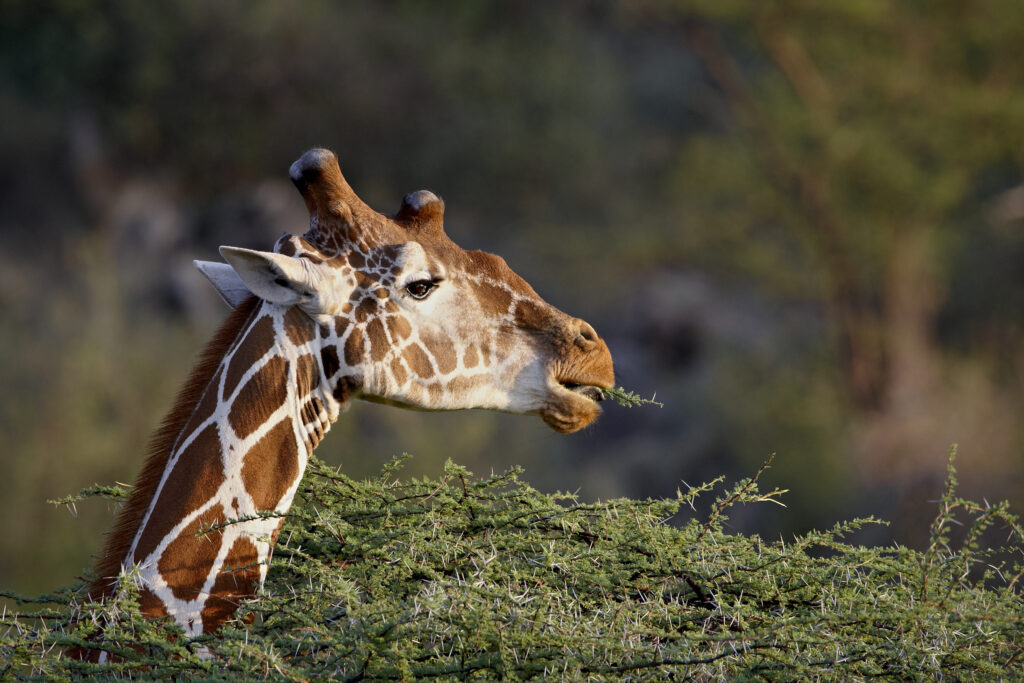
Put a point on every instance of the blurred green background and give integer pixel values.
(801, 224)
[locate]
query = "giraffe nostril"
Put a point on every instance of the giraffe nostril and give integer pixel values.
(587, 333)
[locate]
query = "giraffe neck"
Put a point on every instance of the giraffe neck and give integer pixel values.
(238, 453)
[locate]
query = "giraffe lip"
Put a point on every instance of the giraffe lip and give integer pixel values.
(594, 393)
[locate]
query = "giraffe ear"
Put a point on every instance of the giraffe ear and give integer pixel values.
(273, 277)
(225, 280)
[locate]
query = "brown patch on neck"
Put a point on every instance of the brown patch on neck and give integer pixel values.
(239, 579)
(262, 334)
(195, 477)
(189, 558)
(272, 466)
(119, 541)
(260, 397)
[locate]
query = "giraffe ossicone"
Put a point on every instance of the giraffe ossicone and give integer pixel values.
(387, 309)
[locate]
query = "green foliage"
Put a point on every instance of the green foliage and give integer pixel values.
(628, 399)
(464, 577)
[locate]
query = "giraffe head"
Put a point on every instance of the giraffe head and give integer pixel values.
(405, 316)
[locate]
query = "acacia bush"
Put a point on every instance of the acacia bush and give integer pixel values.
(480, 578)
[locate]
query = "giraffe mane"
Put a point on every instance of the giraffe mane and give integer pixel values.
(161, 443)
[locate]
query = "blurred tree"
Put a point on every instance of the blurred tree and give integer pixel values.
(851, 153)
(855, 136)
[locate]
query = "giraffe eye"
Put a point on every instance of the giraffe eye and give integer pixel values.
(420, 289)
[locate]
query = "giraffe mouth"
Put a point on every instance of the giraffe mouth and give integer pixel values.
(590, 391)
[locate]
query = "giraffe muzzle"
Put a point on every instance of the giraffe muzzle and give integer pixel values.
(579, 376)
(587, 390)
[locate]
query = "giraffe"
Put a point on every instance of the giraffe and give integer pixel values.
(385, 309)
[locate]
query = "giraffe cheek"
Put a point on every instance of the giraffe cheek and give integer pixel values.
(470, 357)
(418, 361)
(399, 328)
(398, 372)
(443, 352)
(467, 387)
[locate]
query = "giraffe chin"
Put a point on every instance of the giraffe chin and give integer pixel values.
(569, 410)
